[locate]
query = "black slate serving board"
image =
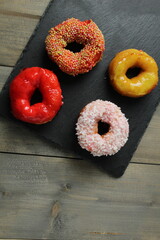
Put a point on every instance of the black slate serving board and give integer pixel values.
(125, 24)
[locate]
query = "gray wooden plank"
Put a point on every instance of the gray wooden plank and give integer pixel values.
(14, 35)
(4, 73)
(56, 198)
(18, 19)
(23, 7)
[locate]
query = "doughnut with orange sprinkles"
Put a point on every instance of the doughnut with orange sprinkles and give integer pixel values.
(87, 128)
(86, 33)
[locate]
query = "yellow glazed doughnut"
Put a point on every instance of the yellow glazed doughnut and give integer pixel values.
(139, 85)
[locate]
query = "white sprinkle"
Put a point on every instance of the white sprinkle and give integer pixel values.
(87, 128)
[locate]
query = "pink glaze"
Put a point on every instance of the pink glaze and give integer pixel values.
(87, 128)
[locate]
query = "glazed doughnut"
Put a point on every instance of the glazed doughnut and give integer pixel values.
(86, 33)
(137, 86)
(22, 89)
(87, 128)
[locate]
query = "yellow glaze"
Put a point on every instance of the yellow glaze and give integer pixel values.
(137, 86)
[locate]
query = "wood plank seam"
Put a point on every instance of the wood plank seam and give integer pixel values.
(40, 155)
(66, 157)
(19, 14)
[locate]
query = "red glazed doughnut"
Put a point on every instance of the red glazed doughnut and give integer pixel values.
(87, 128)
(86, 33)
(22, 89)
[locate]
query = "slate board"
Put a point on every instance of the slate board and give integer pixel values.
(125, 24)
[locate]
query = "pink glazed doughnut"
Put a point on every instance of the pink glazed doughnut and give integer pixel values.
(87, 128)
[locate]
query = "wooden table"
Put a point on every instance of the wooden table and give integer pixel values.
(45, 193)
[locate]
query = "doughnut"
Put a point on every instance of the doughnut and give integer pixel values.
(139, 85)
(22, 89)
(87, 128)
(86, 33)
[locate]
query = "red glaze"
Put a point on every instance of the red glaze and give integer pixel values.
(22, 88)
(86, 33)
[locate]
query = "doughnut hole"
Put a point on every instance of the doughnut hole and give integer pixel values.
(74, 47)
(36, 97)
(133, 72)
(103, 128)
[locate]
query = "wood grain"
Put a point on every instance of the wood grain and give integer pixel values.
(14, 35)
(22, 7)
(18, 19)
(56, 198)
